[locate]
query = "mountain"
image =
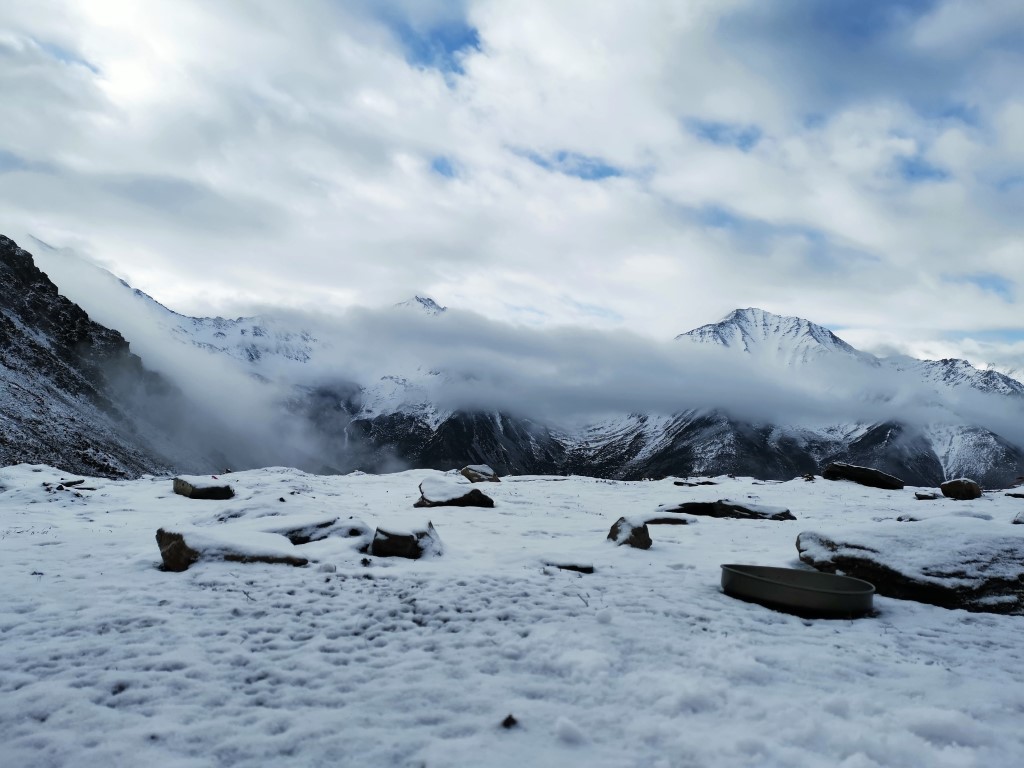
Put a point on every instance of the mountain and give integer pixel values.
(288, 391)
(789, 340)
(67, 382)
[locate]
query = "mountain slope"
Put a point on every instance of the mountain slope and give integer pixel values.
(65, 381)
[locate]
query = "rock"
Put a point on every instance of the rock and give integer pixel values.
(688, 484)
(413, 545)
(961, 489)
(657, 520)
(479, 473)
(202, 488)
(922, 496)
(1016, 495)
(1019, 519)
(630, 533)
(872, 478)
(180, 549)
(509, 722)
(572, 567)
(437, 492)
(808, 478)
(177, 556)
(952, 562)
(728, 508)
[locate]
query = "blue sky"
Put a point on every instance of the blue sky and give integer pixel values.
(647, 169)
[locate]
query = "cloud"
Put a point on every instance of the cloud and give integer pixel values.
(663, 165)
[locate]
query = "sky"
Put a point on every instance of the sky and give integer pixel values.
(643, 169)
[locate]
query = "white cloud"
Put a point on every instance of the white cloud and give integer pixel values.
(226, 155)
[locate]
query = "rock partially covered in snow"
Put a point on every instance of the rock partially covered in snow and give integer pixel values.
(728, 508)
(480, 473)
(202, 487)
(873, 478)
(180, 548)
(954, 562)
(441, 492)
(961, 489)
(409, 544)
(631, 532)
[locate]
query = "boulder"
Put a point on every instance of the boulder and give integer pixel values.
(179, 549)
(1016, 495)
(694, 484)
(728, 508)
(952, 562)
(923, 496)
(439, 492)
(199, 487)
(479, 473)
(412, 545)
(1019, 519)
(961, 489)
(872, 478)
(632, 533)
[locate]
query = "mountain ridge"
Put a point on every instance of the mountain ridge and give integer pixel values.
(394, 421)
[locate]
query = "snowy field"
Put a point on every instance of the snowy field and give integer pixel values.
(105, 660)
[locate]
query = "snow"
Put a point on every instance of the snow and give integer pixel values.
(444, 488)
(109, 661)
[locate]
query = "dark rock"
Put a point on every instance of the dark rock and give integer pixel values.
(627, 532)
(412, 545)
(961, 489)
(657, 520)
(688, 484)
(808, 478)
(193, 488)
(176, 554)
(308, 533)
(872, 478)
(439, 493)
(509, 722)
(480, 473)
(1016, 495)
(726, 508)
(922, 496)
(950, 562)
(908, 519)
(573, 567)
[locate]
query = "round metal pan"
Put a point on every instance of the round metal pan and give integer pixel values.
(805, 593)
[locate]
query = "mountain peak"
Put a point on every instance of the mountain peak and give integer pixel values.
(757, 331)
(424, 304)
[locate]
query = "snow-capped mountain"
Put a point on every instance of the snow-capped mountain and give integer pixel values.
(294, 388)
(423, 304)
(789, 340)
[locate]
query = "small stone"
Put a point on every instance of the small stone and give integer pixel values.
(509, 722)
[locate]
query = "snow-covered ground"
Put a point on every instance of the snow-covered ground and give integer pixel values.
(105, 660)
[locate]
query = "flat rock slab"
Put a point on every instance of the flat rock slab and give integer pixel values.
(727, 508)
(922, 496)
(961, 489)
(202, 487)
(480, 473)
(952, 562)
(873, 478)
(1016, 495)
(182, 547)
(441, 492)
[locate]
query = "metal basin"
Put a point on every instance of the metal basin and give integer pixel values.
(805, 593)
